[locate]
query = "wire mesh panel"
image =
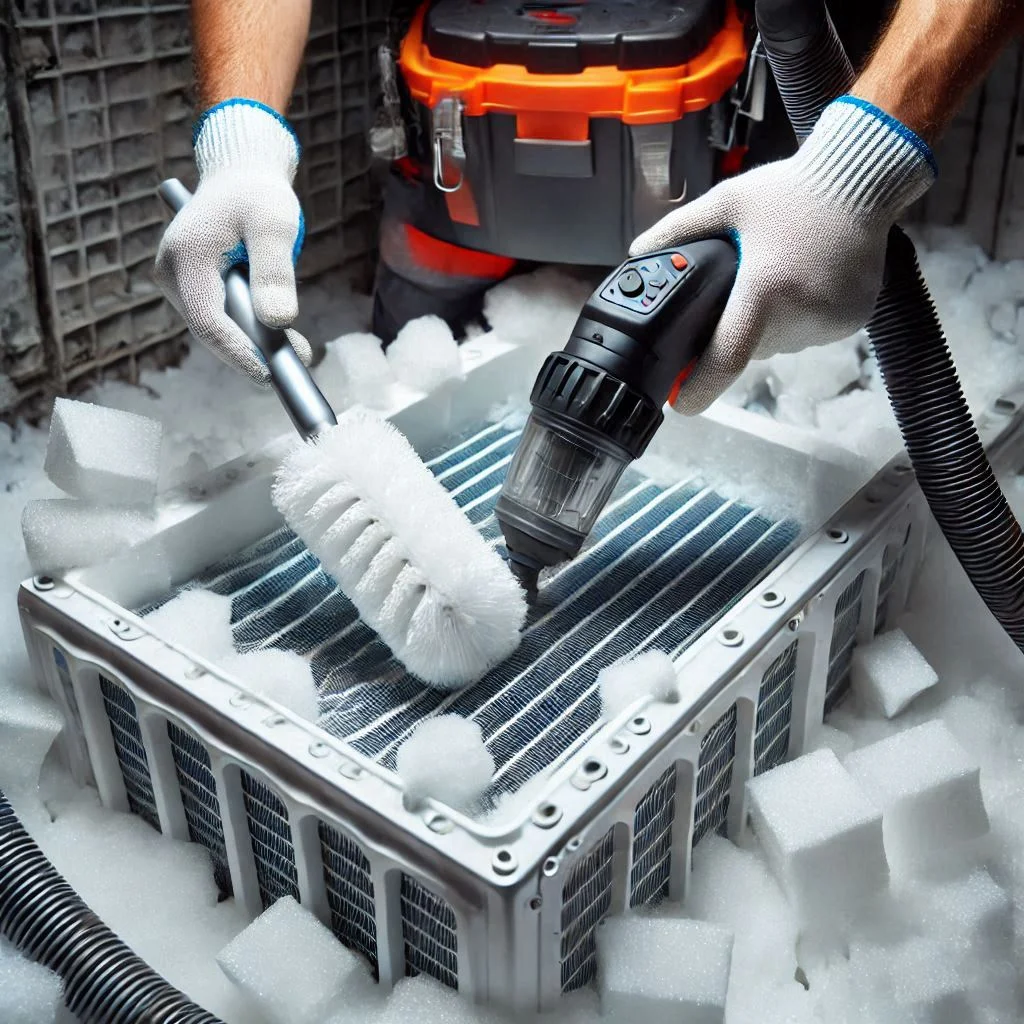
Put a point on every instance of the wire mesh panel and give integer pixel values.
(661, 566)
(270, 836)
(199, 800)
(131, 754)
(844, 639)
(775, 711)
(428, 933)
(892, 563)
(349, 892)
(714, 777)
(586, 901)
(652, 841)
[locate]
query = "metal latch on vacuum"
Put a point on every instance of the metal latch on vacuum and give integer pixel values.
(449, 147)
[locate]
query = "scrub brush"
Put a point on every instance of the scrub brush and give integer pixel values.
(382, 526)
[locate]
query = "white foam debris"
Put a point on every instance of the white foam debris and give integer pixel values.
(926, 985)
(28, 727)
(290, 965)
(425, 354)
(820, 372)
(29, 992)
(281, 676)
(425, 1001)
(972, 913)
(355, 371)
(445, 759)
(63, 533)
(822, 837)
(890, 672)
(197, 620)
(103, 455)
(385, 529)
(862, 421)
(928, 789)
(539, 308)
(661, 971)
(651, 674)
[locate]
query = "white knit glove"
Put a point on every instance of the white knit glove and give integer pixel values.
(811, 234)
(243, 210)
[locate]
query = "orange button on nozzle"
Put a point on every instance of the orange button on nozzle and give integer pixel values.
(678, 261)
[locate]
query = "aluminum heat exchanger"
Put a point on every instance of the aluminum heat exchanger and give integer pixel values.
(587, 817)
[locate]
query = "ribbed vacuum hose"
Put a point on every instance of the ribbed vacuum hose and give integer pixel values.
(953, 471)
(104, 981)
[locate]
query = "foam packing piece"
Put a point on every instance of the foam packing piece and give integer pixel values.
(291, 966)
(651, 674)
(62, 533)
(355, 371)
(890, 672)
(926, 985)
(972, 912)
(198, 620)
(663, 971)
(29, 992)
(928, 788)
(425, 354)
(103, 455)
(29, 723)
(822, 837)
(445, 758)
(281, 676)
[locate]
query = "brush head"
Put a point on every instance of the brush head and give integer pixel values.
(401, 550)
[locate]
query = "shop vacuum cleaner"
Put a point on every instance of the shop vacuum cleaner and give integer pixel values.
(597, 403)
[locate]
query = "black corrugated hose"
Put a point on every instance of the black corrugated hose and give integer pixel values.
(953, 471)
(43, 917)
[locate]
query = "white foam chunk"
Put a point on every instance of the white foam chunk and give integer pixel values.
(290, 965)
(662, 971)
(890, 672)
(928, 788)
(822, 836)
(29, 724)
(62, 533)
(425, 1001)
(355, 371)
(927, 984)
(973, 912)
(282, 676)
(425, 354)
(445, 759)
(197, 620)
(651, 674)
(29, 992)
(822, 371)
(540, 308)
(103, 455)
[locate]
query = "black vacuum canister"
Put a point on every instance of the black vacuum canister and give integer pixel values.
(597, 403)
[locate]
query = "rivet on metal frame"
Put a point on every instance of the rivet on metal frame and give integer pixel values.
(273, 721)
(550, 867)
(695, 727)
(43, 583)
(351, 770)
(438, 823)
(796, 622)
(730, 637)
(535, 903)
(574, 844)
(504, 861)
(639, 725)
(772, 599)
(195, 672)
(240, 700)
(123, 630)
(618, 745)
(318, 749)
(589, 772)
(837, 536)
(546, 815)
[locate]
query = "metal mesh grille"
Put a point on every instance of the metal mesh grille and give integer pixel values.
(775, 711)
(586, 900)
(844, 638)
(349, 892)
(892, 563)
(271, 838)
(661, 567)
(652, 841)
(714, 777)
(131, 754)
(429, 934)
(199, 799)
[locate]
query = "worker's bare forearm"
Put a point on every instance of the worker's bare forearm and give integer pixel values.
(932, 54)
(250, 48)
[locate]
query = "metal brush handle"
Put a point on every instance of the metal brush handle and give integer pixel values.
(302, 399)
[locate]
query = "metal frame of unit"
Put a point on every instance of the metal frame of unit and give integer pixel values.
(503, 910)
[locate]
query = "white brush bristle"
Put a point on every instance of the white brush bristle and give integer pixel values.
(402, 551)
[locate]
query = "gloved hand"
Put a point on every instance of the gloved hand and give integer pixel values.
(243, 209)
(811, 234)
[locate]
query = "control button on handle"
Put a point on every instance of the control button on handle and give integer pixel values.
(630, 284)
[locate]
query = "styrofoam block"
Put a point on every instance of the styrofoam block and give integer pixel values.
(290, 965)
(29, 992)
(890, 672)
(651, 674)
(282, 676)
(197, 620)
(62, 533)
(972, 912)
(928, 788)
(662, 971)
(927, 984)
(821, 834)
(102, 454)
